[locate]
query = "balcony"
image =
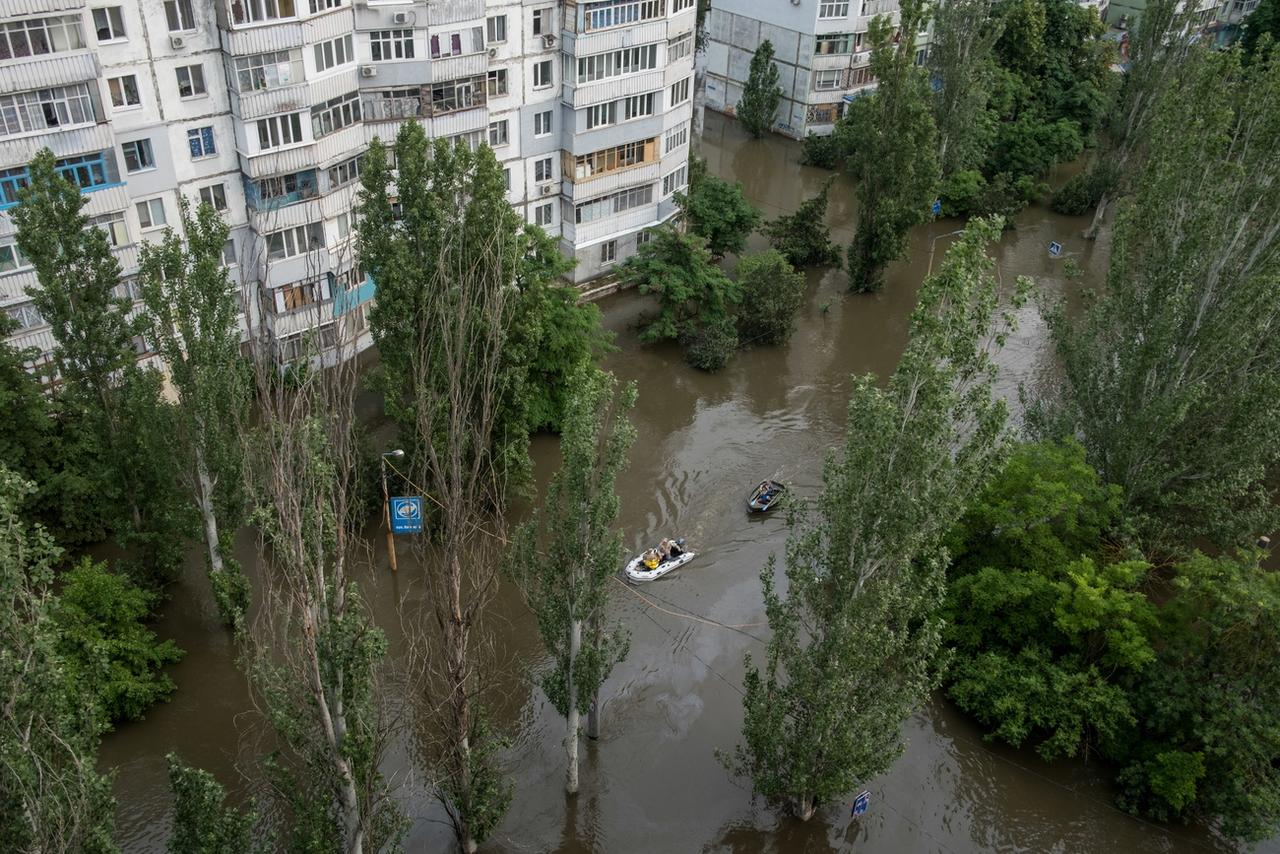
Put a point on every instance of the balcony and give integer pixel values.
(271, 194)
(89, 172)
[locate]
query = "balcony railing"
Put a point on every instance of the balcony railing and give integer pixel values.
(261, 196)
(89, 172)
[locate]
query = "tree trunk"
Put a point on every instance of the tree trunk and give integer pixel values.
(1091, 233)
(804, 806)
(571, 730)
(205, 500)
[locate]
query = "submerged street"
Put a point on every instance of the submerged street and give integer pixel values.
(653, 782)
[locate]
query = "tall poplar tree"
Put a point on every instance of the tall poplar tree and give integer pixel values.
(761, 95)
(857, 633)
(191, 318)
(895, 160)
(567, 583)
(960, 61)
(1172, 377)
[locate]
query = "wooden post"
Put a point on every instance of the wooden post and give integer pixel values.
(386, 515)
(593, 718)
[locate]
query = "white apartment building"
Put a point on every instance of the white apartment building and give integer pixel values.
(820, 49)
(264, 107)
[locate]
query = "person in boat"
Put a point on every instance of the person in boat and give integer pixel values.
(664, 550)
(650, 559)
(673, 549)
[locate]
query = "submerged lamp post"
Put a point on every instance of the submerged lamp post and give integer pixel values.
(386, 504)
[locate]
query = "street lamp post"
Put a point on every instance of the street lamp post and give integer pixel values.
(934, 243)
(386, 504)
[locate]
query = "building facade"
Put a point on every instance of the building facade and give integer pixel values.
(820, 49)
(263, 108)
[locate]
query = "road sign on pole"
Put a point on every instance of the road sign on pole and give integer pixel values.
(936, 207)
(1055, 249)
(406, 515)
(861, 803)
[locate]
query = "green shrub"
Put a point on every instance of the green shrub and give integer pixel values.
(709, 347)
(772, 292)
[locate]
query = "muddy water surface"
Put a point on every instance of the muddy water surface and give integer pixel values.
(653, 782)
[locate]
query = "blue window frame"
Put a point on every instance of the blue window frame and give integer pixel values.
(200, 141)
(89, 172)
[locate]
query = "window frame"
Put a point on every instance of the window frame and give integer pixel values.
(150, 223)
(118, 87)
(113, 22)
(180, 9)
(138, 146)
(200, 91)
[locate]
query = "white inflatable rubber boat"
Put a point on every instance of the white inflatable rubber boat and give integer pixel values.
(637, 571)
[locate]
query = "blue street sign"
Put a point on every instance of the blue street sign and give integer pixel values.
(937, 207)
(406, 515)
(1055, 249)
(861, 803)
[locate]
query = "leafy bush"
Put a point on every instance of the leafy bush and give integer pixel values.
(717, 210)
(824, 152)
(803, 237)
(100, 617)
(709, 347)
(772, 292)
(1082, 193)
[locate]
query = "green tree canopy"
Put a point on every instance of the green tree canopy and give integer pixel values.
(803, 237)
(772, 292)
(717, 210)
(761, 95)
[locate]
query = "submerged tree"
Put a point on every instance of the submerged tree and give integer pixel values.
(101, 384)
(772, 292)
(191, 318)
(567, 584)
(761, 94)
(895, 161)
(803, 237)
(717, 210)
(314, 653)
(960, 61)
(1172, 377)
(856, 635)
(202, 822)
(52, 797)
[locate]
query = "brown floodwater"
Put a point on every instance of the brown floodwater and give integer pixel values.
(653, 782)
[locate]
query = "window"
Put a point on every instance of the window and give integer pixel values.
(541, 21)
(113, 226)
(675, 138)
(39, 36)
(498, 133)
(496, 28)
(43, 109)
(678, 49)
(824, 81)
(542, 214)
(608, 252)
(838, 43)
(318, 6)
(345, 172)
(295, 241)
(617, 13)
(644, 237)
(254, 11)
(215, 196)
(833, 10)
(386, 45)
(190, 81)
(229, 253)
(675, 181)
(506, 179)
(459, 95)
(346, 223)
(637, 106)
(26, 316)
(151, 214)
(278, 131)
(179, 15)
(335, 114)
(269, 70)
(681, 5)
(602, 114)
(612, 159)
(138, 155)
(602, 66)
(200, 142)
(124, 92)
(679, 92)
(542, 74)
(542, 170)
(108, 24)
(335, 52)
(497, 82)
(861, 77)
(451, 45)
(11, 258)
(542, 123)
(614, 203)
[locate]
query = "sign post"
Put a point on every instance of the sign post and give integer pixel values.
(386, 506)
(936, 207)
(1055, 249)
(861, 803)
(406, 514)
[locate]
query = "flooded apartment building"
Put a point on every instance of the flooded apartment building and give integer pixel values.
(263, 108)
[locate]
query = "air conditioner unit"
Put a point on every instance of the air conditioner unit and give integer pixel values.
(368, 71)
(400, 18)
(546, 189)
(548, 41)
(177, 42)
(493, 51)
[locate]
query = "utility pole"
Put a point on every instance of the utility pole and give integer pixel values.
(386, 505)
